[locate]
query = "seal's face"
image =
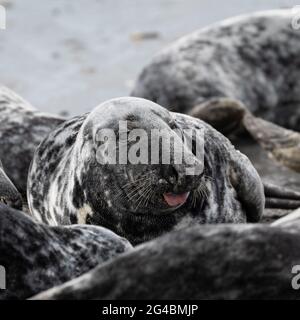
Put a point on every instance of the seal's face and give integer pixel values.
(139, 145)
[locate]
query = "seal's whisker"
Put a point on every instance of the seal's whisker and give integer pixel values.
(202, 190)
(136, 192)
(133, 182)
(146, 196)
(151, 195)
(194, 199)
(136, 189)
(141, 197)
(142, 177)
(140, 201)
(133, 189)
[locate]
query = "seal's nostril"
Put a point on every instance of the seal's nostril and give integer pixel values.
(170, 174)
(174, 174)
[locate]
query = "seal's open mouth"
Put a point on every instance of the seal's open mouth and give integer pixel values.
(174, 200)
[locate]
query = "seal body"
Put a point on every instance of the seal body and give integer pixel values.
(253, 58)
(68, 185)
(213, 263)
(37, 257)
(22, 128)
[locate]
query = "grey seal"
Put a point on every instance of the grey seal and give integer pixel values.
(254, 59)
(206, 262)
(37, 257)
(22, 128)
(67, 185)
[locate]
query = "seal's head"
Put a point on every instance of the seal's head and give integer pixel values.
(141, 162)
(9, 195)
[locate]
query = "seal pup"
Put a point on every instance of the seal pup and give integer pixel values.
(68, 185)
(253, 58)
(22, 128)
(207, 262)
(8, 193)
(37, 257)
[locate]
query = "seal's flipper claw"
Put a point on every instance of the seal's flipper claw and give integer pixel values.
(249, 187)
(281, 197)
(224, 114)
(275, 203)
(274, 191)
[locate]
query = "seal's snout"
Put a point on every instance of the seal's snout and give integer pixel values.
(174, 200)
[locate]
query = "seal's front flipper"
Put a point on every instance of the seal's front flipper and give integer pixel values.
(224, 114)
(282, 144)
(281, 198)
(248, 186)
(9, 195)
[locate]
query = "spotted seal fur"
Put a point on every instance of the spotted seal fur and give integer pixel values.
(67, 185)
(8, 193)
(254, 58)
(22, 128)
(37, 257)
(214, 262)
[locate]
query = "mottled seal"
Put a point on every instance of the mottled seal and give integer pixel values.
(207, 262)
(37, 257)
(8, 193)
(67, 185)
(22, 128)
(253, 58)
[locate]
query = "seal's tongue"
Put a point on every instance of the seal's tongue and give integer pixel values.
(174, 200)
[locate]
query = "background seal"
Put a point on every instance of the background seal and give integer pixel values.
(22, 128)
(253, 58)
(38, 257)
